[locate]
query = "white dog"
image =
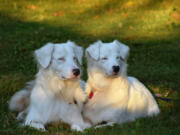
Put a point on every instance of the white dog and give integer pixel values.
(56, 93)
(114, 97)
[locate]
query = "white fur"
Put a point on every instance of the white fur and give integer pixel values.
(56, 88)
(117, 97)
(21, 99)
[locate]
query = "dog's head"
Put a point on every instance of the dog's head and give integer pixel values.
(109, 57)
(64, 59)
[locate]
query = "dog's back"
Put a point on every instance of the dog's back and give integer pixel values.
(142, 94)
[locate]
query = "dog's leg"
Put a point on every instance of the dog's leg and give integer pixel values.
(36, 125)
(74, 118)
(107, 124)
(35, 119)
(76, 127)
(78, 124)
(21, 115)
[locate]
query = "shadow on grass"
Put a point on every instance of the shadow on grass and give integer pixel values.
(19, 39)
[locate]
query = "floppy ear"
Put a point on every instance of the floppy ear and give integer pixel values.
(124, 49)
(44, 54)
(78, 51)
(93, 50)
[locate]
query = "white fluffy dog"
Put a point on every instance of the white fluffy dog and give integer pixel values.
(113, 96)
(56, 93)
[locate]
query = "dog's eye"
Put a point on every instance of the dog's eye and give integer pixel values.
(119, 57)
(104, 58)
(122, 59)
(62, 59)
(74, 58)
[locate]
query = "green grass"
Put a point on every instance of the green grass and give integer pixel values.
(150, 27)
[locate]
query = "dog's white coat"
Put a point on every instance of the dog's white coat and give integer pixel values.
(117, 98)
(55, 88)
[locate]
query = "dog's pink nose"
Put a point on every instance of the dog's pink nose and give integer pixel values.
(116, 69)
(76, 72)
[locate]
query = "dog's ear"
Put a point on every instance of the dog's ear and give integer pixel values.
(93, 50)
(78, 51)
(44, 54)
(124, 49)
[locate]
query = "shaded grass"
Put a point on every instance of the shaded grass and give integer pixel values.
(151, 29)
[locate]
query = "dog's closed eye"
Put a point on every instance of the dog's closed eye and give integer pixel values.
(75, 58)
(61, 58)
(104, 58)
(120, 58)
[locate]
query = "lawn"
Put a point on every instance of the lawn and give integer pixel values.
(151, 28)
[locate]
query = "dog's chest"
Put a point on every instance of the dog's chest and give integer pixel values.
(67, 94)
(96, 97)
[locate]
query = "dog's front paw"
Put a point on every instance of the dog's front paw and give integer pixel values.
(76, 127)
(36, 125)
(86, 125)
(21, 116)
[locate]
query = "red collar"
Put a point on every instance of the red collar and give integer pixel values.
(91, 94)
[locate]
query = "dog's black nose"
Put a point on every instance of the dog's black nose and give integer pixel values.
(76, 72)
(116, 69)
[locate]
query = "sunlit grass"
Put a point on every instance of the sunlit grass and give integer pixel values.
(122, 19)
